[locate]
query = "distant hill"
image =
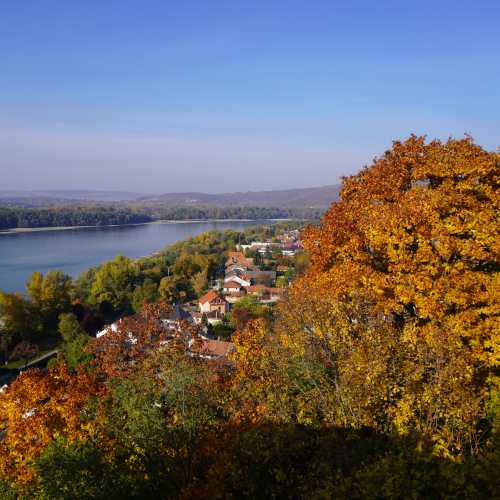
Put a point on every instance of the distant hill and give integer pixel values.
(316, 197)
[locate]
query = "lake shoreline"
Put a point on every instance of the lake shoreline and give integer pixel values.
(20, 230)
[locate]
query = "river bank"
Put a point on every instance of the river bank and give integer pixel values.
(20, 230)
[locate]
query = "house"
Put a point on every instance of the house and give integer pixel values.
(214, 318)
(232, 287)
(211, 318)
(197, 317)
(289, 249)
(176, 316)
(211, 302)
(236, 268)
(240, 259)
(262, 247)
(113, 328)
(275, 293)
(108, 329)
(259, 276)
(265, 293)
(289, 237)
(231, 298)
(214, 349)
(243, 280)
(257, 290)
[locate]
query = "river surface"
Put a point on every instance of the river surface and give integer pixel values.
(75, 250)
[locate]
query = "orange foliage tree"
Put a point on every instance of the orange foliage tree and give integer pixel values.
(39, 407)
(132, 338)
(403, 292)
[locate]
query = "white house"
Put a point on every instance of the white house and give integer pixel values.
(232, 287)
(109, 329)
(213, 302)
(236, 279)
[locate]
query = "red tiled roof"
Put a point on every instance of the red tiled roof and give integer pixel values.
(238, 258)
(215, 348)
(210, 296)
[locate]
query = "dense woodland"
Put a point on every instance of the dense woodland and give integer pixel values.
(378, 377)
(98, 215)
(11, 218)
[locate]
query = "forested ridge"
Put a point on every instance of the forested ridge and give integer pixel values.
(11, 218)
(377, 377)
(97, 215)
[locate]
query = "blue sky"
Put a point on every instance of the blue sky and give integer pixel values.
(223, 96)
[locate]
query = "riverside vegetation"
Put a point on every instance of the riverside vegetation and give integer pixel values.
(378, 376)
(99, 215)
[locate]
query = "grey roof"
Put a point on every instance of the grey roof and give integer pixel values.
(179, 314)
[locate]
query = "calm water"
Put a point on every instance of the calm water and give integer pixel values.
(75, 250)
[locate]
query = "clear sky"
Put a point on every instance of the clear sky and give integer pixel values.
(160, 96)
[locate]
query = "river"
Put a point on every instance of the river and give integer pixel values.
(75, 250)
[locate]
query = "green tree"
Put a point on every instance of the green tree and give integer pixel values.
(19, 317)
(83, 284)
(281, 282)
(5, 342)
(245, 310)
(147, 292)
(75, 470)
(114, 283)
(50, 295)
(171, 289)
(69, 327)
(75, 341)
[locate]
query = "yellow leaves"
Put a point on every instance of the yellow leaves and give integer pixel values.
(412, 252)
(402, 414)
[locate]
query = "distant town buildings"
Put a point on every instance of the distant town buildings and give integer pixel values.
(242, 277)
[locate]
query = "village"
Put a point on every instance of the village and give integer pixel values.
(255, 276)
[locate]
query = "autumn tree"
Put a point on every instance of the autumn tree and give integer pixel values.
(35, 409)
(132, 338)
(199, 282)
(402, 292)
(246, 309)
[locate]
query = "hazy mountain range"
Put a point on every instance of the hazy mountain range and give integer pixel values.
(316, 197)
(40, 197)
